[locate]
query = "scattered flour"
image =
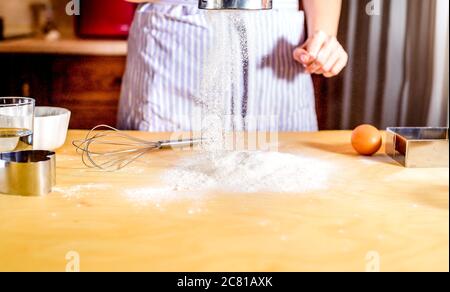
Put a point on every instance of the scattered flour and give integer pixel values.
(78, 191)
(250, 172)
(146, 195)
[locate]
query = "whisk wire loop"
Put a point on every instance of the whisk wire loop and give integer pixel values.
(110, 149)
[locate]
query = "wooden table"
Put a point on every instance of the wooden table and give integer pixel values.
(376, 215)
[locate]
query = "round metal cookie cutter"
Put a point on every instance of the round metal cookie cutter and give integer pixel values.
(27, 173)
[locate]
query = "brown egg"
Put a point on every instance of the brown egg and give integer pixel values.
(366, 140)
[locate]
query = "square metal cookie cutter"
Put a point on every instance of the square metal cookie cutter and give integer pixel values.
(418, 147)
(27, 173)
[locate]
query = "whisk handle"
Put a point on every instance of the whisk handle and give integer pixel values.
(178, 143)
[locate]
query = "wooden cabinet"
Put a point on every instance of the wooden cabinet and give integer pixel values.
(89, 86)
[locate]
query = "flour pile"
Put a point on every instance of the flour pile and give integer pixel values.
(250, 172)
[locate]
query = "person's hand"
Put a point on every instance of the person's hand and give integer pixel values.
(322, 54)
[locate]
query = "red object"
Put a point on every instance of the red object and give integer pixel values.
(104, 18)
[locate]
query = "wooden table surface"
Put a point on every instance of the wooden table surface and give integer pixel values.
(375, 215)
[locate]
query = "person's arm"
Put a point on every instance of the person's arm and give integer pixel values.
(322, 53)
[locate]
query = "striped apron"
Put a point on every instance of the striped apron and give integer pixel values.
(167, 45)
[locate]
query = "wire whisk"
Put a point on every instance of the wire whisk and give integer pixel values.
(110, 149)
